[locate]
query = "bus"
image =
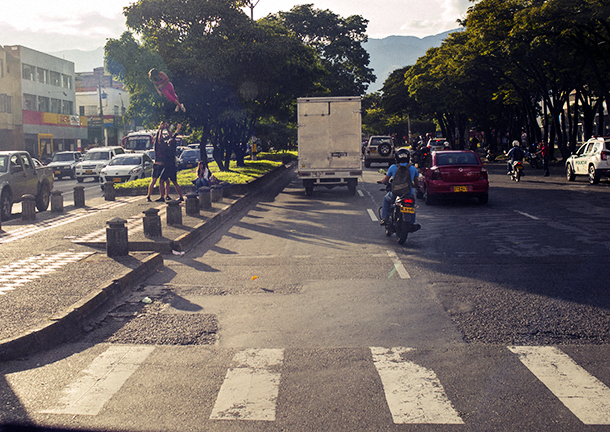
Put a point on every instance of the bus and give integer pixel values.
(143, 141)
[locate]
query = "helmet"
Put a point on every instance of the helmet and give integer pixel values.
(402, 156)
(515, 143)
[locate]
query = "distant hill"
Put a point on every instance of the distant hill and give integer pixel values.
(394, 52)
(387, 55)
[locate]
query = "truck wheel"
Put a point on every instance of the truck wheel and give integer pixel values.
(6, 205)
(351, 187)
(367, 163)
(80, 179)
(43, 198)
(309, 190)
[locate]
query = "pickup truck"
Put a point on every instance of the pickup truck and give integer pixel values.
(19, 176)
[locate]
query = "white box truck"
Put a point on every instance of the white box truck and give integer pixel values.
(330, 142)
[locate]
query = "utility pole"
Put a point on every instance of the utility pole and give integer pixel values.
(252, 6)
(99, 92)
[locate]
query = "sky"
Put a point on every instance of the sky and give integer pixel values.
(58, 25)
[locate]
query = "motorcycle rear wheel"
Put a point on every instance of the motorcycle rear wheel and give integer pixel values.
(402, 230)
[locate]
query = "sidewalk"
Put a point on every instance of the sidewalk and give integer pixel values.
(46, 303)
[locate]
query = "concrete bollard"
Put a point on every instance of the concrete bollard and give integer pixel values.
(192, 204)
(217, 193)
(79, 196)
(174, 213)
(117, 243)
(57, 201)
(205, 198)
(28, 207)
(109, 193)
(152, 223)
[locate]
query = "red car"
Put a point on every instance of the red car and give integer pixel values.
(457, 173)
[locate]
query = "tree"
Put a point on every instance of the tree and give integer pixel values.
(338, 43)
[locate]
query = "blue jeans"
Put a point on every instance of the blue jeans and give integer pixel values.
(388, 200)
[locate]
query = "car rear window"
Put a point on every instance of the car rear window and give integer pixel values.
(456, 159)
(377, 141)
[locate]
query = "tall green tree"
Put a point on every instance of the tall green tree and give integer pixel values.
(338, 43)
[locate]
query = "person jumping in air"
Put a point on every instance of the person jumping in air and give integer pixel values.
(164, 87)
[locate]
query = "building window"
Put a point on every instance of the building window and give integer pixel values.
(29, 102)
(1, 68)
(28, 72)
(55, 106)
(66, 81)
(43, 104)
(81, 110)
(6, 103)
(43, 75)
(91, 110)
(116, 110)
(66, 107)
(56, 79)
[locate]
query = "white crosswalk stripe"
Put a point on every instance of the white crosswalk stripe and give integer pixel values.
(583, 394)
(251, 387)
(23, 271)
(35, 228)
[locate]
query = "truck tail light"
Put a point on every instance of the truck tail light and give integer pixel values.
(604, 155)
(484, 174)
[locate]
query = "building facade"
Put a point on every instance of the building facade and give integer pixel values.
(103, 101)
(43, 117)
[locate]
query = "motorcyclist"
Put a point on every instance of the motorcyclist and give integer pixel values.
(514, 154)
(402, 157)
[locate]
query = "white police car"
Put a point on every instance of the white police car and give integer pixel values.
(592, 159)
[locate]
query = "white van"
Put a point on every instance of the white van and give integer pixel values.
(94, 160)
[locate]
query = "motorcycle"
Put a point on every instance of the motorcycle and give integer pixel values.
(491, 157)
(517, 171)
(400, 218)
(535, 160)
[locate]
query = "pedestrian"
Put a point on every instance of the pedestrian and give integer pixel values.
(203, 176)
(545, 152)
(164, 87)
(171, 172)
(158, 166)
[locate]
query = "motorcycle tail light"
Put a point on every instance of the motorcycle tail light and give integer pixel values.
(408, 200)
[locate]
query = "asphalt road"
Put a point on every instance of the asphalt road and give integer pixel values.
(300, 315)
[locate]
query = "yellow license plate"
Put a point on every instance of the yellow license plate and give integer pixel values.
(57, 172)
(189, 165)
(88, 172)
(116, 180)
(460, 188)
(407, 210)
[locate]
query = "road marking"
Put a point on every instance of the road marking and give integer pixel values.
(251, 386)
(372, 215)
(583, 394)
(398, 266)
(527, 215)
(20, 272)
(414, 394)
(360, 193)
(103, 378)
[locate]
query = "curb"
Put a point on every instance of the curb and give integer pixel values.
(75, 319)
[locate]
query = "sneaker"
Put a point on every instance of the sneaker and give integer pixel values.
(182, 108)
(415, 227)
(160, 200)
(168, 198)
(148, 199)
(384, 221)
(180, 199)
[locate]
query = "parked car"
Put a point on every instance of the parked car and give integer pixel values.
(379, 149)
(64, 164)
(180, 149)
(126, 167)
(209, 151)
(194, 146)
(592, 159)
(94, 160)
(188, 159)
(458, 173)
(19, 175)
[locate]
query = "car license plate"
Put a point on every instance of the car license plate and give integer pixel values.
(116, 179)
(460, 188)
(57, 172)
(407, 210)
(189, 165)
(88, 172)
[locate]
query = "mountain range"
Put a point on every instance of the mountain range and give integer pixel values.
(386, 55)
